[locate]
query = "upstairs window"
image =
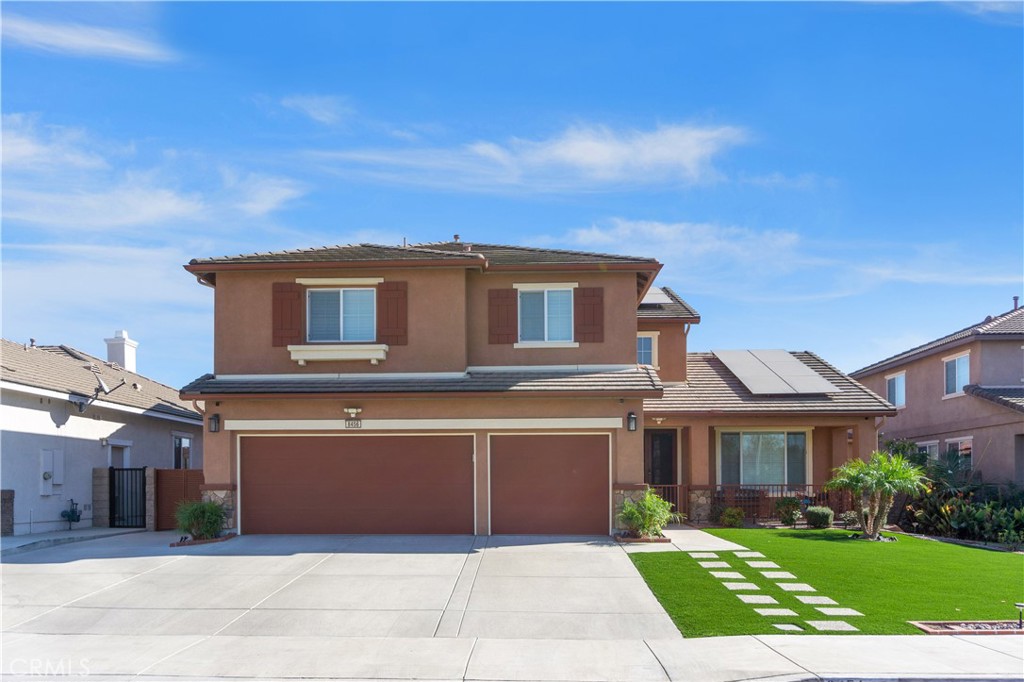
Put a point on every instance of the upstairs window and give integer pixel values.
(896, 389)
(644, 350)
(958, 371)
(346, 315)
(545, 315)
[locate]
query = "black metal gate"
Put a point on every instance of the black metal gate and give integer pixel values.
(128, 498)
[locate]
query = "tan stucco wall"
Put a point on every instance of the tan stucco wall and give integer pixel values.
(929, 416)
(619, 346)
(696, 437)
(671, 347)
(627, 447)
(437, 324)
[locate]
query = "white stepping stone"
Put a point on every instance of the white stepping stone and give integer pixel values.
(814, 599)
(741, 586)
(778, 575)
(756, 599)
(703, 555)
(776, 612)
(834, 611)
(762, 564)
(788, 627)
(795, 587)
(713, 564)
(749, 555)
(727, 574)
(831, 625)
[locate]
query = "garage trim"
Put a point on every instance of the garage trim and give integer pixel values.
(238, 462)
(412, 424)
(611, 527)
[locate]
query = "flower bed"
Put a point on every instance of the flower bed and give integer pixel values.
(970, 627)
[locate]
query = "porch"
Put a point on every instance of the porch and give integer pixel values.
(704, 503)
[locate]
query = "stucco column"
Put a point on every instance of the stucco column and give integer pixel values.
(840, 448)
(700, 471)
(865, 438)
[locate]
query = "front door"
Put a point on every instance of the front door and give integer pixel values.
(660, 457)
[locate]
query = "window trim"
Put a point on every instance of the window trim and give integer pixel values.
(181, 434)
(954, 358)
(925, 444)
(808, 432)
(341, 315)
(897, 375)
(545, 288)
(653, 336)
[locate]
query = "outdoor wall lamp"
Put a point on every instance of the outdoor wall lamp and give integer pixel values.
(353, 412)
(631, 421)
(214, 423)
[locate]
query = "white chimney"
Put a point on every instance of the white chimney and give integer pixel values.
(121, 350)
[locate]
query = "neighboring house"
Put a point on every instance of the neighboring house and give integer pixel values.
(472, 388)
(65, 412)
(961, 392)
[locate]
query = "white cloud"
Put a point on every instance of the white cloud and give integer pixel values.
(581, 158)
(324, 109)
(128, 204)
(84, 40)
(258, 195)
(1007, 13)
(24, 146)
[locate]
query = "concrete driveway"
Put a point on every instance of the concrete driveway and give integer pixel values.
(86, 601)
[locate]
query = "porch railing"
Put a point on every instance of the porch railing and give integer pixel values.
(756, 501)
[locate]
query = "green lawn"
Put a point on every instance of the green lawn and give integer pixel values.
(889, 582)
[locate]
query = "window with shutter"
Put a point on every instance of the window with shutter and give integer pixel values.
(288, 318)
(588, 314)
(502, 316)
(393, 313)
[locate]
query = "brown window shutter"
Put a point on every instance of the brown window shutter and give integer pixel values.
(393, 313)
(588, 314)
(502, 316)
(289, 315)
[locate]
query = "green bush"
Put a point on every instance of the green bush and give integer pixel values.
(732, 517)
(788, 510)
(199, 520)
(850, 519)
(1012, 539)
(819, 517)
(649, 515)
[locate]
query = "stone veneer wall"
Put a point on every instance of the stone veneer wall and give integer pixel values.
(6, 512)
(632, 493)
(101, 497)
(700, 506)
(150, 498)
(226, 499)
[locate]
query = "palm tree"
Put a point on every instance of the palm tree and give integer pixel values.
(877, 482)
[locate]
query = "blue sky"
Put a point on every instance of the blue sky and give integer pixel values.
(844, 178)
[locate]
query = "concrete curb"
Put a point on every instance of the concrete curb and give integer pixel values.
(53, 542)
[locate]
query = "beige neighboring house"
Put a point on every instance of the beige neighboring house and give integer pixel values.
(961, 392)
(64, 412)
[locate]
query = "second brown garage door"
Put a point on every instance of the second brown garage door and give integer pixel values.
(357, 484)
(550, 484)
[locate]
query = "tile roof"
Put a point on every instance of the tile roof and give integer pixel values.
(619, 382)
(341, 253)
(1008, 324)
(1012, 398)
(712, 388)
(502, 254)
(67, 370)
(675, 309)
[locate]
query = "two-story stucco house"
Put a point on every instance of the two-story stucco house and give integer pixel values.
(472, 388)
(962, 392)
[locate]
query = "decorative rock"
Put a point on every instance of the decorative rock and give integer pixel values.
(831, 625)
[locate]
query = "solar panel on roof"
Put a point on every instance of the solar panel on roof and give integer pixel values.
(773, 372)
(656, 295)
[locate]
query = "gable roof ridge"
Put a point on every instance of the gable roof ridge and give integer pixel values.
(420, 248)
(989, 323)
(537, 249)
(95, 363)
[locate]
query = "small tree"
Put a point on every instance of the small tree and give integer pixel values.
(877, 482)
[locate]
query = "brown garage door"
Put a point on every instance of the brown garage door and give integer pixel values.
(549, 484)
(357, 484)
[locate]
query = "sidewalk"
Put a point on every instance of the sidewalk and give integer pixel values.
(16, 544)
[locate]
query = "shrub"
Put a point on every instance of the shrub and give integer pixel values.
(200, 520)
(1012, 539)
(850, 519)
(788, 510)
(819, 517)
(732, 517)
(649, 515)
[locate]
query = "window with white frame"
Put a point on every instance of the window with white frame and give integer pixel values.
(182, 451)
(958, 371)
(961, 447)
(545, 315)
(647, 349)
(929, 448)
(762, 457)
(896, 389)
(346, 315)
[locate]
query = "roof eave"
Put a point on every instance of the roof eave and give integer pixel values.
(638, 394)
